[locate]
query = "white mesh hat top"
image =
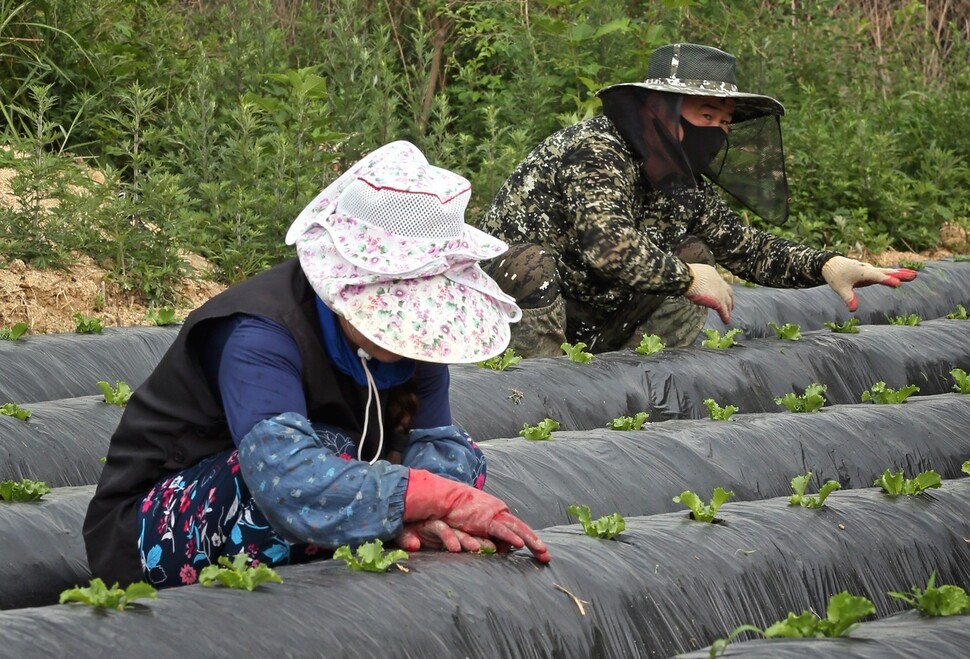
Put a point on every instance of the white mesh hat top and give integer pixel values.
(386, 246)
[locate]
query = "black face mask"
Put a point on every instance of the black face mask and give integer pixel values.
(701, 144)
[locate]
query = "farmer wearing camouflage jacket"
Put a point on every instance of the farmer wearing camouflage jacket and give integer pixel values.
(615, 233)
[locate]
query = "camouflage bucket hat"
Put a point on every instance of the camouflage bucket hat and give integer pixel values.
(695, 70)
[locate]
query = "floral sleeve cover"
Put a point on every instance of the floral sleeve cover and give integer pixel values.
(311, 493)
(446, 451)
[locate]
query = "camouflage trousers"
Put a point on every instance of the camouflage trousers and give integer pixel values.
(528, 273)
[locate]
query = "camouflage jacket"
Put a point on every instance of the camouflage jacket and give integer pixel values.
(582, 194)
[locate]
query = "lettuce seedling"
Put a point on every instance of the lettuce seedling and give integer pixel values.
(936, 601)
(501, 362)
(959, 314)
(23, 490)
(851, 326)
(650, 344)
(99, 595)
(702, 512)
(717, 412)
(628, 422)
(540, 431)
(370, 557)
(843, 614)
(162, 316)
(811, 401)
(965, 467)
(912, 320)
(798, 485)
(787, 332)
(118, 395)
(14, 410)
(577, 352)
(13, 332)
(911, 264)
(604, 527)
(85, 325)
(237, 573)
(894, 483)
(716, 341)
(962, 380)
(880, 394)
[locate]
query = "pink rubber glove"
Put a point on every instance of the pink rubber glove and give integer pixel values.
(436, 534)
(844, 275)
(471, 511)
(710, 290)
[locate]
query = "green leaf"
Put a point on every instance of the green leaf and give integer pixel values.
(702, 512)
(86, 325)
(799, 498)
(14, 332)
(501, 362)
(119, 395)
(895, 484)
(627, 422)
(962, 381)
(911, 320)
(540, 431)
(811, 401)
(959, 314)
(650, 344)
(604, 527)
(965, 468)
(716, 341)
(97, 594)
(880, 394)
(238, 573)
(848, 327)
(370, 557)
(787, 332)
(162, 316)
(936, 601)
(577, 352)
(717, 412)
(23, 490)
(14, 410)
(845, 610)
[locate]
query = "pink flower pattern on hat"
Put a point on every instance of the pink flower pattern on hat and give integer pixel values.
(387, 247)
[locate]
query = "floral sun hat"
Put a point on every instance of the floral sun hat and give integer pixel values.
(386, 246)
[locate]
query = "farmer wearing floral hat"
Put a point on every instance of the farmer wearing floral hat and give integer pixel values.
(615, 225)
(307, 407)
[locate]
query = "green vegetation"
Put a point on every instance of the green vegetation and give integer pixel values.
(13, 332)
(911, 264)
(894, 483)
(880, 394)
(602, 527)
(716, 341)
(936, 601)
(117, 395)
(959, 314)
(162, 316)
(787, 332)
(97, 594)
(650, 344)
(851, 326)
(699, 510)
(799, 498)
(23, 490)
(14, 410)
(811, 401)
(501, 362)
(634, 422)
(540, 431)
(85, 325)
(912, 320)
(718, 413)
(237, 573)
(577, 353)
(370, 557)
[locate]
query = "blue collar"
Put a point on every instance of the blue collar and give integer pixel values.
(344, 357)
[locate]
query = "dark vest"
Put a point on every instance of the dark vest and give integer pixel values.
(173, 421)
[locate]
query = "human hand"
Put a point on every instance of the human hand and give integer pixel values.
(436, 534)
(844, 275)
(463, 508)
(710, 290)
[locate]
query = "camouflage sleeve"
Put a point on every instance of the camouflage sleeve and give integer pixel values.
(599, 188)
(756, 255)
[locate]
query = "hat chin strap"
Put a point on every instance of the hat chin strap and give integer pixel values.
(372, 394)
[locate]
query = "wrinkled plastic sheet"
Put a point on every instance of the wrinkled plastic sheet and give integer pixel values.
(937, 290)
(61, 443)
(637, 473)
(666, 585)
(901, 636)
(674, 383)
(41, 367)
(753, 455)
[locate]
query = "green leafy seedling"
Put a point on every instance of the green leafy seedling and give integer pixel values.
(936, 601)
(237, 573)
(577, 353)
(13, 332)
(716, 341)
(965, 467)
(86, 325)
(880, 394)
(717, 412)
(370, 557)
(118, 395)
(911, 320)
(811, 401)
(911, 264)
(604, 527)
(628, 422)
(14, 410)
(704, 512)
(895, 483)
(962, 381)
(650, 344)
(851, 326)
(959, 314)
(540, 431)
(843, 614)
(501, 362)
(787, 332)
(97, 594)
(799, 498)
(162, 316)
(23, 490)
